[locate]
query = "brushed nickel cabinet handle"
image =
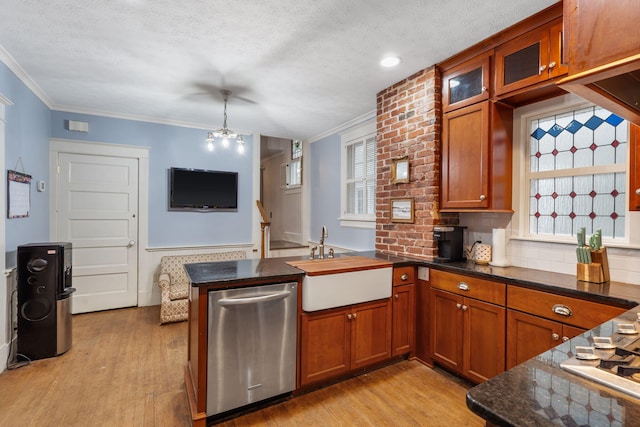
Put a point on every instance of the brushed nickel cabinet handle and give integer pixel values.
(396, 296)
(638, 191)
(349, 316)
(482, 197)
(552, 64)
(555, 337)
(464, 308)
(355, 315)
(463, 286)
(404, 277)
(565, 338)
(458, 305)
(562, 310)
(542, 68)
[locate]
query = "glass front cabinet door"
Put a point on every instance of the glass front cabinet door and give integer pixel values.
(529, 59)
(466, 84)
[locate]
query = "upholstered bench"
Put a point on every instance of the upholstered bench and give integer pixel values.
(174, 283)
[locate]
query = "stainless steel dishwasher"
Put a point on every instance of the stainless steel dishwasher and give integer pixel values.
(252, 336)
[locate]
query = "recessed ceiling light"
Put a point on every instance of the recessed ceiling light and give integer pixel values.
(390, 61)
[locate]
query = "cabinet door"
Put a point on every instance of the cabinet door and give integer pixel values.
(484, 340)
(600, 32)
(370, 333)
(446, 329)
(466, 83)
(465, 157)
(557, 65)
(528, 336)
(404, 319)
(522, 61)
(325, 350)
(634, 168)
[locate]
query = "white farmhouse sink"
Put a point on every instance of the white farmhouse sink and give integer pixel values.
(340, 289)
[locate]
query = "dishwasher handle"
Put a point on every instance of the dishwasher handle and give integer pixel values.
(253, 300)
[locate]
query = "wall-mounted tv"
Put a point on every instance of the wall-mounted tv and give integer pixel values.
(202, 190)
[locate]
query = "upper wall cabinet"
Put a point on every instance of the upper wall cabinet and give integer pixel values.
(602, 43)
(532, 58)
(466, 83)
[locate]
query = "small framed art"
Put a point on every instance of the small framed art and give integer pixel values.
(400, 170)
(401, 209)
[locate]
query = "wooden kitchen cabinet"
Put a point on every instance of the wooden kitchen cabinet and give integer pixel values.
(528, 336)
(403, 332)
(538, 321)
(336, 341)
(476, 158)
(534, 57)
(634, 168)
(467, 333)
(599, 32)
(466, 83)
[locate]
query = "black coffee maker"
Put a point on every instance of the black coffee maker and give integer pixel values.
(450, 243)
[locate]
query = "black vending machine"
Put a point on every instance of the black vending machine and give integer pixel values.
(44, 299)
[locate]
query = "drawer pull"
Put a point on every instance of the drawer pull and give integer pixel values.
(405, 276)
(562, 310)
(565, 338)
(555, 337)
(463, 286)
(464, 308)
(458, 305)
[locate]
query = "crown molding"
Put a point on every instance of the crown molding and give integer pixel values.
(351, 123)
(22, 75)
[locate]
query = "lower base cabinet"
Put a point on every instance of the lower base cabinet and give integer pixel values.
(336, 341)
(530, 335)
(468, 335)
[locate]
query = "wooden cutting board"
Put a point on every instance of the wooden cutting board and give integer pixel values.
(317, 267)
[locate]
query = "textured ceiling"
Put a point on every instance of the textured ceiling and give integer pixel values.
(297, 68)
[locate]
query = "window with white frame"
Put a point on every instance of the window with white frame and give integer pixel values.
(576, 172)
(359, 177)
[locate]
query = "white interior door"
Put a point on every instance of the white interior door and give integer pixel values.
(97, 212)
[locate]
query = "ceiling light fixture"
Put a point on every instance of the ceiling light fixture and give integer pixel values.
(390, 61)
(224, 133)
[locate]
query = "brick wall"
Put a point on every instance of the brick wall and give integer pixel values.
(408, 124)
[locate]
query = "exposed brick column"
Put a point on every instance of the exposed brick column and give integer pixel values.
(408, 124)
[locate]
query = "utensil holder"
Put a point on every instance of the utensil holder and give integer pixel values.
(597, 271)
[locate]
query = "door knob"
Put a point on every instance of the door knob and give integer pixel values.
(555, 337)
(482, 197)
(131, 243)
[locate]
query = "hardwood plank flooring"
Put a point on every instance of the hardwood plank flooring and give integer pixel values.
(124, 369)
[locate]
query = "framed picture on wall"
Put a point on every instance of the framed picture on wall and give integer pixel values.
(400, 170)
(401, 209)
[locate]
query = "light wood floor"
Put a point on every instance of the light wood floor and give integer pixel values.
(125, 370)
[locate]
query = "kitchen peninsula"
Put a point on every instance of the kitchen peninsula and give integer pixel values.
(527, 394)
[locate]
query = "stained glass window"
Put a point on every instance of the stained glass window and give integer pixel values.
(576, 173)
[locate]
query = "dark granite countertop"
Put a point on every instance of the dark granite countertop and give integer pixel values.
(234, 273)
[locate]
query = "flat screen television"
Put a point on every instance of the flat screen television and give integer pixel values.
(203, 190)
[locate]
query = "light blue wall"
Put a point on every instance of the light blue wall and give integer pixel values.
(174, 146)
(28, 122)
(324, 166)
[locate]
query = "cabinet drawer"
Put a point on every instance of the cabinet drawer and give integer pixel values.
(404, 275)
(471, 287)
(572, 311)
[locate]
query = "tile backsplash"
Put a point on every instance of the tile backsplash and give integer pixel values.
(624, 263)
